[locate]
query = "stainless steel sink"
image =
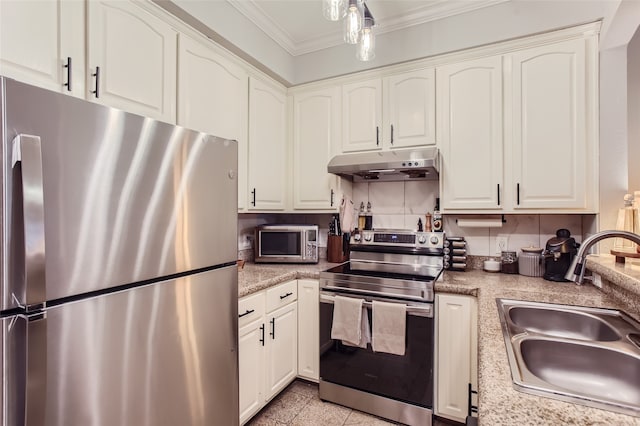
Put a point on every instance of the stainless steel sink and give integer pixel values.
(562, 323)
(589, 356)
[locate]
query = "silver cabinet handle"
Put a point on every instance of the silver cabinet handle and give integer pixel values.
(27, 150)
(36, 371)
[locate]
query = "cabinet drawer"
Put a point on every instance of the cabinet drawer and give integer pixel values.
(250, 308)
(282, 295)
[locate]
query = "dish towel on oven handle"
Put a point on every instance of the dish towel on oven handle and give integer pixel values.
(347, 320)
(389, 324)
(365, 331)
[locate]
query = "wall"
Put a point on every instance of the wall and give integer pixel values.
(500, 22)
(399, 205)
(619, 114)
(633, 110)
(511, 19)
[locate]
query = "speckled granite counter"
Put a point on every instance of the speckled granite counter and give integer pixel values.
(499, 402)
(255, 277)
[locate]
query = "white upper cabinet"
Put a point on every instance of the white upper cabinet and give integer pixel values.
(395, 112)
(267, 146)
(409, 113)
(470, 132)
(546, 157)
(362, 112)
(552, 91)
(131, 59)
(38, 42)
(213, 98)
(316, 132)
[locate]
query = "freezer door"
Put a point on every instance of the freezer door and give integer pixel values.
(162, 354)
(126, 198)
(13, 352)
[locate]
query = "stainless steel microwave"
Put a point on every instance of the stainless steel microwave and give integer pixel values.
(286, 244)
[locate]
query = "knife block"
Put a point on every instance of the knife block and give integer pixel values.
(335, 250)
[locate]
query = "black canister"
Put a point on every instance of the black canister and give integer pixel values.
(509, 262)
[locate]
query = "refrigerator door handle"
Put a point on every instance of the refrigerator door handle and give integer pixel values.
(27, 150)
(36, 371)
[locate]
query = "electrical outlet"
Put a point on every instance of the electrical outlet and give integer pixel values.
(502, 243)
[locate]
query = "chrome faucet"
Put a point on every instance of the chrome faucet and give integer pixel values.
(576, 270)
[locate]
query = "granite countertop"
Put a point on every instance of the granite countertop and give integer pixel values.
(499, 403)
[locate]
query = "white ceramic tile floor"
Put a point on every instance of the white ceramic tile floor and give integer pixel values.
(299, 405)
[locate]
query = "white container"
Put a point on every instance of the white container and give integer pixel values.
(491, 265)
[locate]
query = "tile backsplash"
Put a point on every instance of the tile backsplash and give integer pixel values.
(399, 205)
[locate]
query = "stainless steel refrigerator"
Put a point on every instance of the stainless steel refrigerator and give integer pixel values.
(118, 267)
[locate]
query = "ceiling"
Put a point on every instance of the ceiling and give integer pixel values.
(299, 27)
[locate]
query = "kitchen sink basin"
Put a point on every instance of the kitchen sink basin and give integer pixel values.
(562, 323)
(589, 356)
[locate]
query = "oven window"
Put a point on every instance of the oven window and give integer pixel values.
(407, 378)
(280, 243)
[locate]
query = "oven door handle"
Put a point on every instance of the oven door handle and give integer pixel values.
(425, 294)
(423, 311)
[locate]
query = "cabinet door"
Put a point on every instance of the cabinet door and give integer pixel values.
(470, 128)
(282, 348)
(267, 146)
(136, 55)
(36, 40)
(251, 368)
(308, 330)
(410, 109)
(549, 126)
(213, 98)
(456, 354)
(316, 130)
(362, 111)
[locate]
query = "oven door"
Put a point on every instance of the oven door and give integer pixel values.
(407, 378)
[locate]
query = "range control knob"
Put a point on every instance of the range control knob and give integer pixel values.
(422, 239)
(368, 237)
(356, 238)
(434, 240)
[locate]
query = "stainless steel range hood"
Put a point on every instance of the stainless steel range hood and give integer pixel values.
(402, 165)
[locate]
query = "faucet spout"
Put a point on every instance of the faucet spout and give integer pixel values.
(576, 270)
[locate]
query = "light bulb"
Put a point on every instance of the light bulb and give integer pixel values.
(366, 47)
(353, 22)
(334, 10)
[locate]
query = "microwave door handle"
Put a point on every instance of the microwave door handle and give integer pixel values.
(27, 151)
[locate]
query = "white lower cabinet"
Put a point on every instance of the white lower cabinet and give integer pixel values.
(456, 355)
(308, 329)
(267, 345)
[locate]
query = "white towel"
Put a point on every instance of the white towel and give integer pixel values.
(389, 325)
(347, 215)
(365, 331)
(347, 319)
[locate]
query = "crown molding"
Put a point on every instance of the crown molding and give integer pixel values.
(437, 9)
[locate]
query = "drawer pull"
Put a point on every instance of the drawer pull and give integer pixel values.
(285, 296)
(262, 332)
(247, 313)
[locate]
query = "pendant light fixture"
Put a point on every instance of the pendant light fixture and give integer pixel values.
(366, 46)
(358, 24)
(353, 21)
(334, 10)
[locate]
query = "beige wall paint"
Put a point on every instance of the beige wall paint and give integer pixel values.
(633, 108)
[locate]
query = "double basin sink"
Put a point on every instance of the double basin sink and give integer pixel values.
(588, 356)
